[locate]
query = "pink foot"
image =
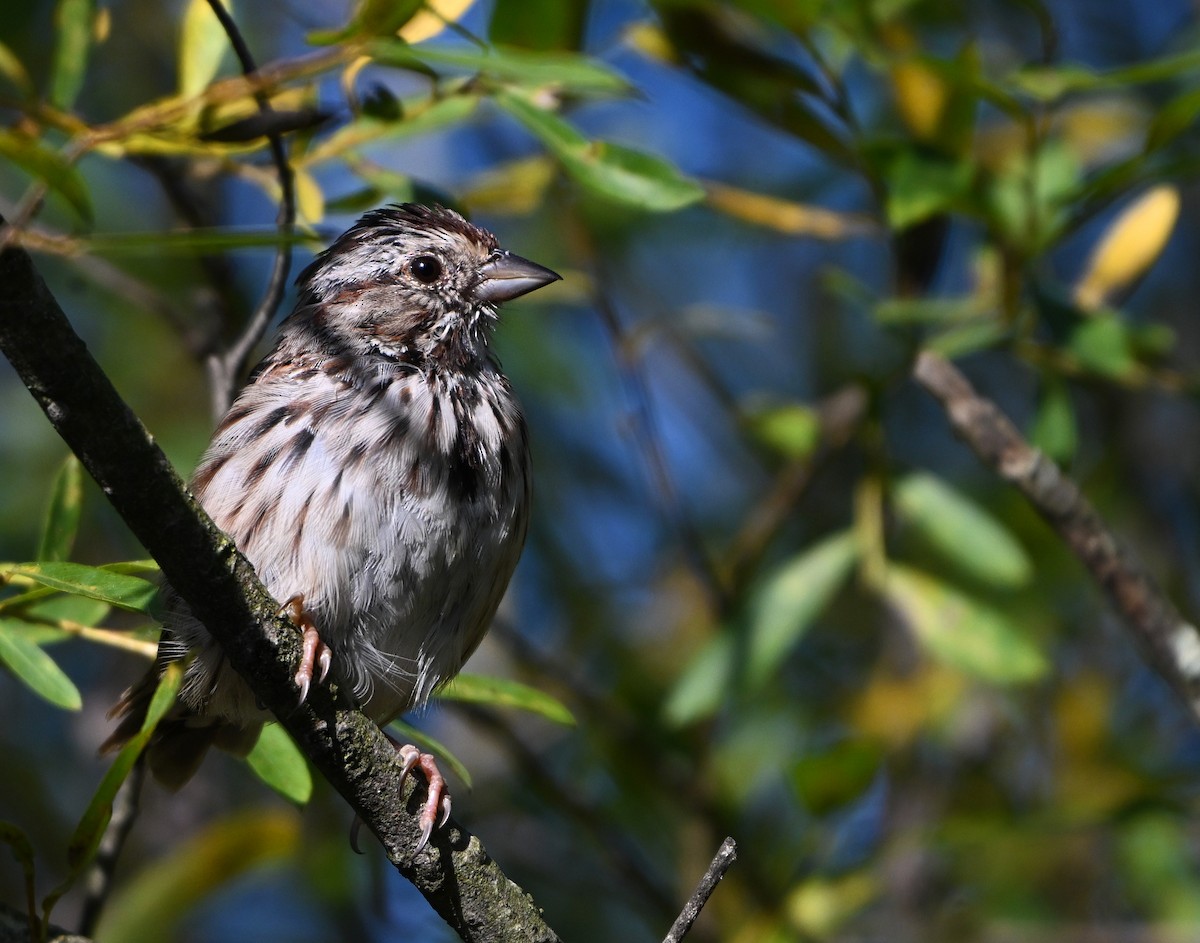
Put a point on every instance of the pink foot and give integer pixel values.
(437, 798)
(315, 653)
(437, 801)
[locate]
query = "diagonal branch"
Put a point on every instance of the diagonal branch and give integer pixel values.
(1170, 643)
(454, 873)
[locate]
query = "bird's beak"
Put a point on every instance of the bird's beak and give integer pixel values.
(506, 276)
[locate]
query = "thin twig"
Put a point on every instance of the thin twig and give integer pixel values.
(225, 369)
(1170, 643)
(98, 882)
(725, 856)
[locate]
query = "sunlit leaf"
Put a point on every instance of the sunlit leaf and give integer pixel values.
(278, 762)
(962, 532)
(371, 18)
(568, 72)
(786, 216)
(203, 44)
(790, 599)
(1129, 246)
(704, 683)
(963, 631)
(155, 904)
(117, 589)
(609, 170)
(791, 429)
(48, 166)
(73, 21)
(433, 18)
(310, 198)
(35, 668)
(62, 516)
(503, 692)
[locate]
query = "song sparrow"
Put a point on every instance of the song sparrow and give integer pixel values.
(375, 472)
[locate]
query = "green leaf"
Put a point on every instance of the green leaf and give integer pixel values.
(1172, 119)
(1054, 430)
(609, 170)
(73, 21)
(962, 631)
(48, 166)
(371, 18)
(35, 668)
(704, 684)
(502, 692)
(568, 72)
(411, 734)
(414, 119)
(116, 589)
(791, 429)
(920, 186)
(791, 598)
(157, 903)
(538, 25)
(62, 517)
(826, 779)
(962, 532)
(1102, 344)
(14, 70)
(86, 838)
(278, 762)
(962, 339)
(202, 46)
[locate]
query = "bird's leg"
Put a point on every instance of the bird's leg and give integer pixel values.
(314, 654)
(437, 799)
(436, 811)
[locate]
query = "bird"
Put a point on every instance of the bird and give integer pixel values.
(375, 472)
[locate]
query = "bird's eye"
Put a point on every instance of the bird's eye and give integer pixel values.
(426, 268)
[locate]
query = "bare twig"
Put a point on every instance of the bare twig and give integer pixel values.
(1170, 643)
(454, 873)
(98, 882)
(725, 856)
(226, 369)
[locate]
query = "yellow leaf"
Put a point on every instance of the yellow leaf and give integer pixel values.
(432, 19)
(795, 219)
(1129, 246)
(921, 94)
(310, 198)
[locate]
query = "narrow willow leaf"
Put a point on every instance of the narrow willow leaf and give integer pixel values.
(790, 600)
(1103, 345)
(86, 837)
(411, 734)
(962, 532)
(202, 46)
(35, 668)
(502, 692)
(414, 118)
(73, 39)
(278, 762)
(62, 517)
(962, 631)
(48, 166)
(609, 170)
(156, 903)
(569, 72)
(704, 684)
(117, 589)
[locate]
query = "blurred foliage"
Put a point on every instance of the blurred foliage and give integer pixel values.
(777, 599)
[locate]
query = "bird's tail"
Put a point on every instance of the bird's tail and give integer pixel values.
(181, 739)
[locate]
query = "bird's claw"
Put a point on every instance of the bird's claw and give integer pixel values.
(314, 654)
(436, 811)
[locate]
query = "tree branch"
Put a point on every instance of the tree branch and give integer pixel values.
(454, 873)
(1170, 643)
(725, 856)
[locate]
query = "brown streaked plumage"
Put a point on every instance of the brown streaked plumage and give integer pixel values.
(375, 472)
